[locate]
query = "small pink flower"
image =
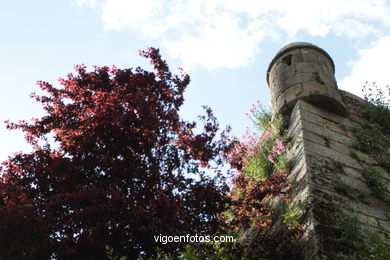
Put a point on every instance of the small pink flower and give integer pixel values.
(271, 158)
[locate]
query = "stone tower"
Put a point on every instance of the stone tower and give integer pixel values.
(345, 187)
(301, 70)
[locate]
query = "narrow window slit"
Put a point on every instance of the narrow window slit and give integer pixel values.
(287, 60)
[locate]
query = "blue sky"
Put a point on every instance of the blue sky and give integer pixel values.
(225, 46)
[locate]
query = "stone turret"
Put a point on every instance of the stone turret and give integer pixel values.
(332, 163)
(301, 70)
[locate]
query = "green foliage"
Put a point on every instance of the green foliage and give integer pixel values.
(267, 153)
(279, 126)
(348, 191)
(349, 228)
(261, 118)
(218, 251)
(282, 163)
(374, 137)
(262, 176)
(258, 166)
(378, 108)
(376, 181)
(377, 247)
(369, 138)
(385, 161)
(109, 251)
(353, 154)
(365, 244)
(295, 213)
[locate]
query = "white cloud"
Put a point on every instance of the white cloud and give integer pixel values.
(227, 33)
(89, 3)
(320, 18)
(223, 44)
(354, 29)
(120, 14)
(371, 66)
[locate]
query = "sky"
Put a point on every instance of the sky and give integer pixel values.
(224, 45)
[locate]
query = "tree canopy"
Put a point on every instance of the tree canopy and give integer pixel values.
(125, 168)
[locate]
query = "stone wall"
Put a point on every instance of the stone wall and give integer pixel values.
(327, 172)
(332, 180)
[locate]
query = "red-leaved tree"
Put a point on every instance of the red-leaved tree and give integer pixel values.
(126, 168)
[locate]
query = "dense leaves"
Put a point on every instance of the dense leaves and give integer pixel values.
(260, 189)
(125, 168)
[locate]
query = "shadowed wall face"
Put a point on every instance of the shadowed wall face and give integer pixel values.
(304, 71)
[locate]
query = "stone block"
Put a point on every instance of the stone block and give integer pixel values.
(326, 70)
(367, 220)
(305, 50)
(313, 118)
(307, 67)
(385, 174)
(316, 138)
(316, 88)
(328, 153)
(385, 225)
(297, 58)
(339, 147)
(355, 183)
(369, 210)
(338, 128)
(322, 131)
(351, 172)
(295, 130)
(298, 78)
(364, 157)
(296, 153)
(298, 170)
(288, 98)
(310, 57)
(309, 108)
(321, 59)
(301, 174)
